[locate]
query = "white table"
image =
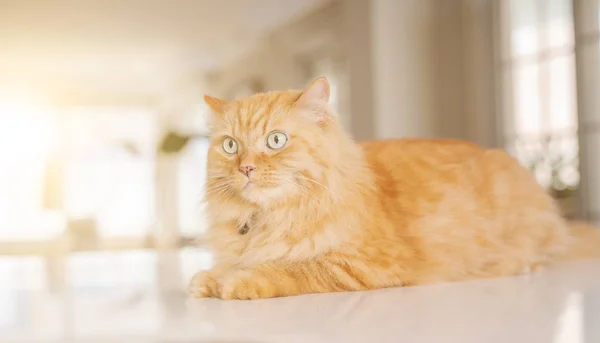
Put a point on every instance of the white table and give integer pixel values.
(559, 305)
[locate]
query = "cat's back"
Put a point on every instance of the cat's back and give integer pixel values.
(417, 171)
(469, 211)
(419, 146)
(425, 157)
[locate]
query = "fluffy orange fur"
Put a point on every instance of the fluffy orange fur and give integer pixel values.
(324, 214)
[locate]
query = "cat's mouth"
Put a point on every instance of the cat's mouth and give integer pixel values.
(252, 185)
(248, 183)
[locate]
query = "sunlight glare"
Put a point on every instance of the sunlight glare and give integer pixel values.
(27, 140)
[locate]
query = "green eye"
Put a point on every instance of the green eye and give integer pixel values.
(230, 145)
(276, 140)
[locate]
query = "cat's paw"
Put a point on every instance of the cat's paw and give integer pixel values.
(246, 285)
(204, 284)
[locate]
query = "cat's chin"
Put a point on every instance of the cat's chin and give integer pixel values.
(262, 195)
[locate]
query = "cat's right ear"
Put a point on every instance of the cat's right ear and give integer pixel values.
(315, 98)
(217, 105)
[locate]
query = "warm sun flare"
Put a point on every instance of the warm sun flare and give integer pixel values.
(27, 139)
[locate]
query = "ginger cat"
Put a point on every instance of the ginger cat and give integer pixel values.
(295, 206)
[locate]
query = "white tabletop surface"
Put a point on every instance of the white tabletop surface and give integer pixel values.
(559, 305)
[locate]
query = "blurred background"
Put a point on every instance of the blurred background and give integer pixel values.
(102, 122)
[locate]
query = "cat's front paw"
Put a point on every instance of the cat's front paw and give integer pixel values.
(246, 285)
(205, 284)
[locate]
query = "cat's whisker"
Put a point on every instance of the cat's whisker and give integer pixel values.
(307, 195)
(217, 192)
(303, 190)
(319, 184)
(217, 186)
(220, 190)
(218, 178)
(311, 180)
(228, 194)
(225, 193)
(217, 189)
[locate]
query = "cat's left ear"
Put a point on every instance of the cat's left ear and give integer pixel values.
(315, 98)
(217, 105)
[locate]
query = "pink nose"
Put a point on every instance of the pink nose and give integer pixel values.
(247, 170)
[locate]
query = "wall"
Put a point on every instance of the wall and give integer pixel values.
(277, 61)
(434, 69)
(405, 67)
(480, 32)
(587, 40)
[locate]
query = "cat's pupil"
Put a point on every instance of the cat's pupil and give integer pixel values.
(276, 139)
(231, 144)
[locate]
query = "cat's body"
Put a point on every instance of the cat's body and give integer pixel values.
(324, 214)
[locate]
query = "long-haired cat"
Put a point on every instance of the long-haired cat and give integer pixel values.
(295, 206)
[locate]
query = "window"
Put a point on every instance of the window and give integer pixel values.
(550, 71)
(63, 166)
(191, 181)
(540, 108)
(110, 168)
(28, 138)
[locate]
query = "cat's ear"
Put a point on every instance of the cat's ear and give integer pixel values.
(315, 98)
(217, 105)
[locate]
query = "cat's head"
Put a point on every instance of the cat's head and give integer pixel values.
(267, 147)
